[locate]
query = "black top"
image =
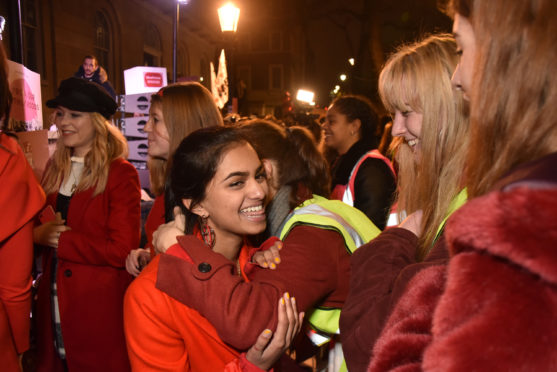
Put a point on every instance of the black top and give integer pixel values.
(374, 186)
(63, 204)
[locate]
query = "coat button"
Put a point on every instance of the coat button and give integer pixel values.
(68, 273)
(204, 267)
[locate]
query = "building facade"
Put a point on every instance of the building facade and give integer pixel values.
(57, 34)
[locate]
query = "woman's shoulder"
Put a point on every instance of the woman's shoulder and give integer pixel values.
(8, 145)
(121, 163)
(517, 225)
(375, 165)
(121, 168)
(146, 280)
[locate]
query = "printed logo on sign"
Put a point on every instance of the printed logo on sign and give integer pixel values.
(153, 79)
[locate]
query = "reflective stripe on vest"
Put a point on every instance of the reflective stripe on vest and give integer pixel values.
(355, 228)
(348, 196)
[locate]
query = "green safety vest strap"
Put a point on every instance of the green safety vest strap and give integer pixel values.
(351, 223)
(457, 202)
(320, 212)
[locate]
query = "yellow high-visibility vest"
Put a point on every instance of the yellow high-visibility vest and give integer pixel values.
(351, 223)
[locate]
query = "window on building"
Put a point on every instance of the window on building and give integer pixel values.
(259, 77)
(103, 42)
(32, 46)
(260, 42)
(275, 77)
(276, 41)
(152, 50)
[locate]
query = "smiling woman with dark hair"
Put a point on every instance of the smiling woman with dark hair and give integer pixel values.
(221, 188)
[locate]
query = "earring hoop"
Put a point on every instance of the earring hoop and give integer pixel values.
(207, 232)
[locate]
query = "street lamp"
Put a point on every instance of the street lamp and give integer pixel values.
(228, 18)
(175, 36)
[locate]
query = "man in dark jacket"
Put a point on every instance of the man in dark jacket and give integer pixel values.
(90, 70)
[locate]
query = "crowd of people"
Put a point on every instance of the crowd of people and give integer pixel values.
(262, 254)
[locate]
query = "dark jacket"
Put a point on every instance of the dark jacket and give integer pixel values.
(374, 185)
(97, 79)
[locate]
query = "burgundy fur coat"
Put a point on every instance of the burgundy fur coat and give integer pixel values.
(494, 307)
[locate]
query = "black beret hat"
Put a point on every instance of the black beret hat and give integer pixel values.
(85, 96)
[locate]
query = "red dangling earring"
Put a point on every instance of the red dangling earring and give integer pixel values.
(207, 233)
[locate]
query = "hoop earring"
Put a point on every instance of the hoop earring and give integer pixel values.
(207, 233)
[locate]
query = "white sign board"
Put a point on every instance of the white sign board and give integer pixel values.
(134, 126)
(144, 79)
(136, 103)
(25, 85)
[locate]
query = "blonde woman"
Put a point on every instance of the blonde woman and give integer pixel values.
(432, 132)
(176, 111)
(95, 193)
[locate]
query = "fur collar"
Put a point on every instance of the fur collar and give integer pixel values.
(517, 223)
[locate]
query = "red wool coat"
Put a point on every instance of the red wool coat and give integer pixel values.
(91, 277)
(21, 198)
(493, 307)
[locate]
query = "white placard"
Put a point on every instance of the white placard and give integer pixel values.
(137, 150)
(25, 86)
(144, 79)
(133, 127)
(136, 103)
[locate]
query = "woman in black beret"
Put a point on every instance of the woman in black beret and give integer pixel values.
(96, 195)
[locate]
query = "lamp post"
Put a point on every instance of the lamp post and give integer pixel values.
(175, 36)
(228, 18)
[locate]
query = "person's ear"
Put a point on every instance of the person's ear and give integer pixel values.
(197, 209)
(355, 126)
(268, 166)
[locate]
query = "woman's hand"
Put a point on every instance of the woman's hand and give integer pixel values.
(263, 353)
(49, 232)
(166, 234)
(413, 223)
(268, 258)
(137, 259)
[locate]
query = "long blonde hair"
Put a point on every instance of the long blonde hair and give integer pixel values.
(513, 97)
(418, 78)
(108, 144)
(185, 107)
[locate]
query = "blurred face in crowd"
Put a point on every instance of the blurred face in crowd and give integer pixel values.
(466, 43)
(76, 130)
(158, 138)
(235, 198)
(340, 134)
(89, 66)
(408, 124)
